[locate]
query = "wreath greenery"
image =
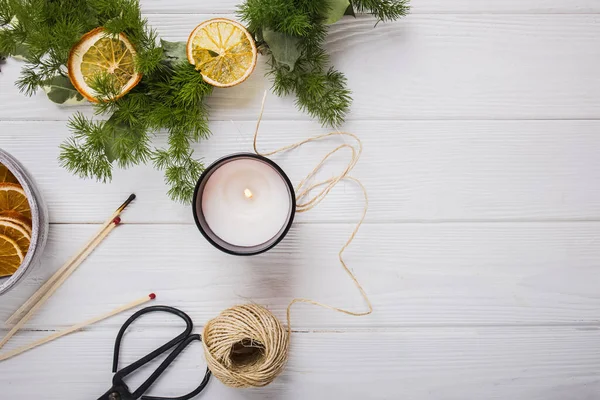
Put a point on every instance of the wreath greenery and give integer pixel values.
(170, 97)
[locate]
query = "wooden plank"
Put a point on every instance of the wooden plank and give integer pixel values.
(549, 363)
(413, 170)
(521, 274)
(418, 6)
(444, 67)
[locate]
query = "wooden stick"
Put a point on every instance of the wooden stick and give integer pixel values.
(48, 284)
(77, 327)
(58, 283)
(44, 288)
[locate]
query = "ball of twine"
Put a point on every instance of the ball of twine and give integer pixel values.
(245, 346)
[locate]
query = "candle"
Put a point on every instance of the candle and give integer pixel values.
(244, 204)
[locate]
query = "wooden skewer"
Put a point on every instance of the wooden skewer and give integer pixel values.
(62, 278)
(44, 288)
(76, 327)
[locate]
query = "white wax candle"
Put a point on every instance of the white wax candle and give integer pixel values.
(246, 202)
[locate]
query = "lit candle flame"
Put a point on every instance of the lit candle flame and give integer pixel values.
(248, 193)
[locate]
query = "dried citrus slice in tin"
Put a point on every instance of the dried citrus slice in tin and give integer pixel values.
(13, 198)
(223, 51)
(17, 233)
(6, 175)
(16, 218)
(11, 256)
(97, 53)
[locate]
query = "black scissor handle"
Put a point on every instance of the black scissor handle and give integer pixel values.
(119, 375)
(163, 366)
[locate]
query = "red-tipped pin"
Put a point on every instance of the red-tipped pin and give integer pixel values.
(117, 220)
(152, 296)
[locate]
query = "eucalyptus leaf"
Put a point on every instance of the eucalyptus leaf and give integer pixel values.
(109, 152)
(337, 9)
(61, 91)
(350, 11)
(175, 52)
(284, 47)
(21, 53)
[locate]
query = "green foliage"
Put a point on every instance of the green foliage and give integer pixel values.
(60, 90)
(171, 99)
(336, 11)
(170, 96)
(277, 25)
(284, 48)
(384, 10)
(48, 29)
(175, 52)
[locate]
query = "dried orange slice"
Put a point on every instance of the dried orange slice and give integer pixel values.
(17, 233)
(98, 53)
(6, 175)
(13, 198)
(16, 218)
(11, 256)
(223, 51)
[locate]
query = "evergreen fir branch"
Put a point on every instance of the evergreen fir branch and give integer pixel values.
(130, 144)
(181, 172)
(106, 87)
(29, 81)
(313, 7)
(8, 39)
(323, 95)
(295, 24)
(151, 55)
(37, 71)
(171, 100)
(189, 86)
(261, 14)
(384, 10)
(84, 154)
(6, 12)
(320, 90)
(316, 89)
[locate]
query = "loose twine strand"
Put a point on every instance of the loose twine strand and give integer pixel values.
(303, 191)
(246, 345)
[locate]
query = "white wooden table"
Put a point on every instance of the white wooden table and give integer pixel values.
(481, 250)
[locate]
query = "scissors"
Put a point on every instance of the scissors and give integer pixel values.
(120, 391)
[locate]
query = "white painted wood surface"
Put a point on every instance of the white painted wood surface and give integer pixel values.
(432, 171)
(480, 121)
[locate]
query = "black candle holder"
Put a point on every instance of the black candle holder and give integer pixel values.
(215, 240)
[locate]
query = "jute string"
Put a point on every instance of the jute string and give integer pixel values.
(246, 346)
